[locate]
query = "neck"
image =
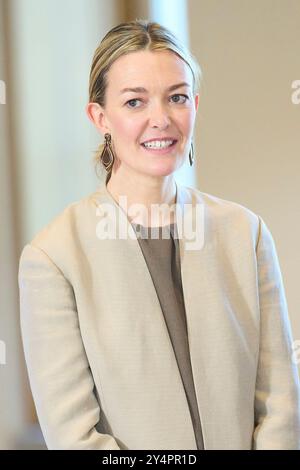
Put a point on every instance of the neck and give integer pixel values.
(146, 191)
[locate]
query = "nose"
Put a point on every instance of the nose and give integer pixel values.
(159, 117)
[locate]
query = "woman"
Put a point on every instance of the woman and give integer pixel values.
(177, 340)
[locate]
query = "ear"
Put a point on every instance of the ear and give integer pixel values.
(196, 98)
(97, 116)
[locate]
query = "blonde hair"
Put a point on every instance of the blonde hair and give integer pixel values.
(130, 37)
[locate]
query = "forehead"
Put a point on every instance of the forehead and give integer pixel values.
(148, 68)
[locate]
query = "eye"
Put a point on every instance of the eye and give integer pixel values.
(133, 103)
(137, 102)
(180, 99)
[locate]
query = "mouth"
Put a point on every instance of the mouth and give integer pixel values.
(159, 145)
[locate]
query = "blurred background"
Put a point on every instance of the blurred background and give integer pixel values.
(247, 136)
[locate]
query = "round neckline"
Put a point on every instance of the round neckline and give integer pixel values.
(153, 227)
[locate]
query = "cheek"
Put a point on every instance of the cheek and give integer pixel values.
(186, 121)
(126, 135)
(189, 120)
(126, 129)
(120, 128)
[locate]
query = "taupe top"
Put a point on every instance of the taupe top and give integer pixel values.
(160, 248)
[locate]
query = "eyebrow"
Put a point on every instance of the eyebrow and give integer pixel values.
(143, 90)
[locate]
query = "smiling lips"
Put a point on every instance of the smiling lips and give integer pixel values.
(159, 144)
(159, 139)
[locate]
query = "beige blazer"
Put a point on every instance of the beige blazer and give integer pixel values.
(100, 362)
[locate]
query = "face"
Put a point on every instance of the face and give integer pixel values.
(149, 112)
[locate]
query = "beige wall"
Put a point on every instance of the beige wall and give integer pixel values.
(248, 129)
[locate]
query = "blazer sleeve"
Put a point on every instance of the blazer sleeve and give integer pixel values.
(59, 374)
(277, 403)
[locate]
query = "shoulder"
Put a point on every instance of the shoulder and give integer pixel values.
(66, 234)
(70, 220)
(220, 206)
(225, 216)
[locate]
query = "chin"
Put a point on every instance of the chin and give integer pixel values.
(162, 170)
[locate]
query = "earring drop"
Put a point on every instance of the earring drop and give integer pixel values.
(107, 156)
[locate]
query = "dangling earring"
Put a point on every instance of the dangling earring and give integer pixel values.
(107, 156)
(191, 154)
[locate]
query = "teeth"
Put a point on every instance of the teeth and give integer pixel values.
(157, 144)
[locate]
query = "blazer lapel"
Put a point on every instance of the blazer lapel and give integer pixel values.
(217, 322)
(144, 315)
(202, 308)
